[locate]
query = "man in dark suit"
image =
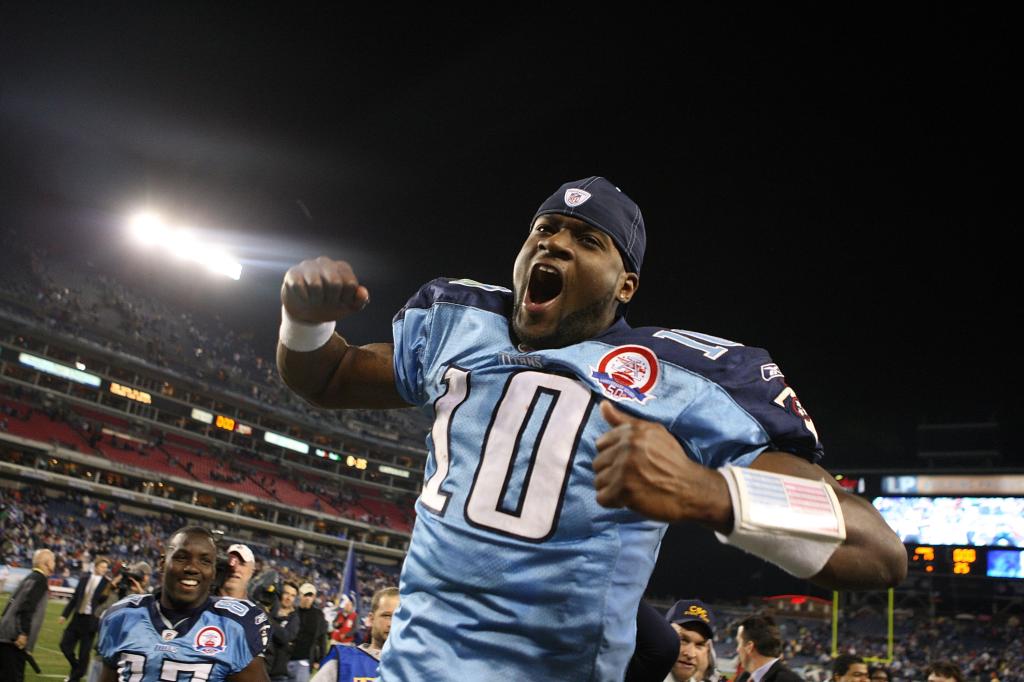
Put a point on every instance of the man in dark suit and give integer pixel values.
(759, 650)
(90, 593)
(23, 617)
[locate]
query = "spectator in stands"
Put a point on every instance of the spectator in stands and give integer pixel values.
(849, 668)
(345, 662)
(283, 631)
(311, 642)
(878, 674)
(693, 622)
(90, 593)
(23, 617)
(944, 671)
(241, 564)
(759, 651)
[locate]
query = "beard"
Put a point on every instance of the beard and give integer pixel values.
(577, 326)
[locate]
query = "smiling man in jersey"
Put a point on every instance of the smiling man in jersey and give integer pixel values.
(563, 443)
(182, 630)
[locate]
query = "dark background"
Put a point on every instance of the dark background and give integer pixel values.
(828, 184)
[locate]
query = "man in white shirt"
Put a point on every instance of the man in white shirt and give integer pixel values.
(80, 632)
(759, 650)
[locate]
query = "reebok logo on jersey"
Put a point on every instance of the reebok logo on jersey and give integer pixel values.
(771, 371)
(210, 640)
(627, 373)
(575, 197)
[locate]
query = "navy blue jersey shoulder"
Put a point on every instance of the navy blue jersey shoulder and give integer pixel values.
(746, 373)
(715, 362)
(249, 615)
(132, 601)
(465, 292)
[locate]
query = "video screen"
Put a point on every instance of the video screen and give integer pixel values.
(972, 521)
(1005, 563)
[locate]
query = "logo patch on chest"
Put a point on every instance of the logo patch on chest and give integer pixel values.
(210, 640)
(627, 373)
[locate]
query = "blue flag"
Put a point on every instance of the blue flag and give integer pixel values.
(350, 582)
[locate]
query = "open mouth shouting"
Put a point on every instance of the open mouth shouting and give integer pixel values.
(544, 287)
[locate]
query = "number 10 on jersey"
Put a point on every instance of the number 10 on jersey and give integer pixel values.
(558, 406)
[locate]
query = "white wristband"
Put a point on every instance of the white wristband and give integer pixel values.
(795, 523)
(304, 336)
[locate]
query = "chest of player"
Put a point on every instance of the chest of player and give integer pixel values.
(513, 433)
(209, 651)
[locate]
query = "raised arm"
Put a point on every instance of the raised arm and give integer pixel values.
(642, 466)
(333, 374)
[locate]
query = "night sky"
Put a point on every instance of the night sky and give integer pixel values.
(830, 185)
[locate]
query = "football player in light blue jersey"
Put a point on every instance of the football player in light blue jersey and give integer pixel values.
(563, 441)
(181, 632)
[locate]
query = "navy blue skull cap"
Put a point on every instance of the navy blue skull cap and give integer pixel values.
(598, 202)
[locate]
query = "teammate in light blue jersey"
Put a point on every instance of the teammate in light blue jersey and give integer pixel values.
(563, 441)
(182, 633)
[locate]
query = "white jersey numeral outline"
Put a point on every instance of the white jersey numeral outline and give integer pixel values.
(714, 348)
(457, 382)
(535, 514)
(131, 667)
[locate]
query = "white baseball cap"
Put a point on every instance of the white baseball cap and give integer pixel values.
(243, 552)
(306, 588)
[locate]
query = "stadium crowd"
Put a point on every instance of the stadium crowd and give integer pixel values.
(84, 303)
(78, 529)
(268, 479)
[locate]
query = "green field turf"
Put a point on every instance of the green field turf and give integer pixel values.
(47, 652)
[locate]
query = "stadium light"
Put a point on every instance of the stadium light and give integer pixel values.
(149, 229)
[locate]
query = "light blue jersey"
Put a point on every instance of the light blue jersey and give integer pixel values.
(218, 641)
(515, 572)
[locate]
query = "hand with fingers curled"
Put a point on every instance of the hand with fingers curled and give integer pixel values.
(322, 290)
(641, 465)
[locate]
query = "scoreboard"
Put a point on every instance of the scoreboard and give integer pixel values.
(979, 562)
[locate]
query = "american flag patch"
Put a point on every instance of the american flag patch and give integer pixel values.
(777, 502)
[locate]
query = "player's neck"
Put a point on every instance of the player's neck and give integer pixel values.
(178, 611)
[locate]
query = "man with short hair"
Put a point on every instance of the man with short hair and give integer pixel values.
(694, 623)
(241, 564)
(23, 617)
(311, 640)
(284, 628)
(182, 631)
(89, 595)
(123, 584)
(564, 442)
(759, 651)
(347, 663)
(849, 668)
(944, 671)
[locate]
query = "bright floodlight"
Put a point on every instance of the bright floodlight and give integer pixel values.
(149, 229)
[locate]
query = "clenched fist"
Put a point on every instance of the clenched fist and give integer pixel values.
(642, 466)
(322, 290)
